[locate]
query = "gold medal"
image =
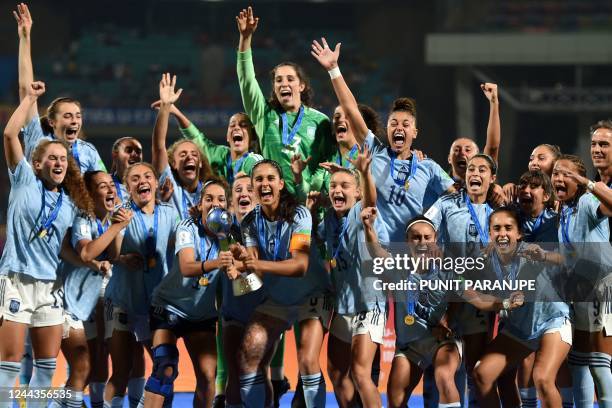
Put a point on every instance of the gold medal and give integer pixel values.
(42, 233)
(333, 263)
(203, 281)
(409, 320)
(406, 185)
(151, 262)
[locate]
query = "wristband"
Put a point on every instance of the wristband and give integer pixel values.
(590, 184)
(334, 73)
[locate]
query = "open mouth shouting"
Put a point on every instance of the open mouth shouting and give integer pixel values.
(72, 132)
(190, 167)
(399, 140)
(265, 194)
(144, 192)
(341, 130)
(244, 203)
(462, 163)
(560, 190)
(109, 201)
(421, 250)
(503, 243)
(285, 94)
(474, 184)
(237, 137)
(338, 201)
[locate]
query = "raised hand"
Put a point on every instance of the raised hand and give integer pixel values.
(155, 105)
(331, 166)
(511, 191)
(36, 89)
(24, 20)
(167, 95)
(497, 197)
(313, 200)
(326, 57)
(166, 190)
(298, 165)
(362, 162)
(490, 91)
(368, 216)
(247, 22)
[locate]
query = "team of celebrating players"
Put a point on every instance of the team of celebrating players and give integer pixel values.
(102, 264)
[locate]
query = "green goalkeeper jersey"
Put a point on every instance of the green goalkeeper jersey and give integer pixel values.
(219, 156)
(313, 137)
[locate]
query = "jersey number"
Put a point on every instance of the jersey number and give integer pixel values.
(397, 196)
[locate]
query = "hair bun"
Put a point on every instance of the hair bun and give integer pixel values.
(404, 105)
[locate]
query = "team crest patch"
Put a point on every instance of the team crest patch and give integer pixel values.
(472, 230)
(311, 130)
(14, 306)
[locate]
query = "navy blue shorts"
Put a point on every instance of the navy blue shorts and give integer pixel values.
(160, 318)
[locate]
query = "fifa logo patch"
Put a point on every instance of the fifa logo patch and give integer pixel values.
(14, 306)
(472, 230)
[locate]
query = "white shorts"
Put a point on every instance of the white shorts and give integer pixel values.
(593, 316)
(70, 323)
(90, 325)
(317, 307)
(24, 299)
(123, 321)
(345, 327)
(534, 344)
(423, 351)
(472, 320)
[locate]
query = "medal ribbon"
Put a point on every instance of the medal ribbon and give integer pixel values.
(484, 236)
(151, 240)
(414, 165)
(261, 234)
(52, 216)
(231, 171)
(287, 137)
(350, 155)
(184, 196)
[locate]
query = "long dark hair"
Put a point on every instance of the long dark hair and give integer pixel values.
(288, 203)
(305, 95)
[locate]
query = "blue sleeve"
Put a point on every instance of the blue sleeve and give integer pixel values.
(23, 174)
(167, 173)
(98, 163)
(32, 135)
(435, 213)
(81, 229)
(185, 238)
(373, 143)
(589, 203)
(440, 180)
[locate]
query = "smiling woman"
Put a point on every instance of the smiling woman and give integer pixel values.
(63, 120)
(286, 124)
(183, 164)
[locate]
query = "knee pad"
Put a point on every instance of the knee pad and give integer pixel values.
(161, 381)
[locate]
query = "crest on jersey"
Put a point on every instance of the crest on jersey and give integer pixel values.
(14, 306)
(472, 230)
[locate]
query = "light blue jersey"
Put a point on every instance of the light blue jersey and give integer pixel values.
(122, 192)
(397, 203)
(456, 228)
(132, 290)
(429, 307)
(185, 296)
(353, 283)
(584, 231)
(275, 241)
(84, 153)
(181, 199)
(534, 318)
(542, 228)
(82, 285)
(25, 252)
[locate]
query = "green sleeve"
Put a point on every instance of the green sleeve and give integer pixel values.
(216, 154)
(249, 163)
(252, 98)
